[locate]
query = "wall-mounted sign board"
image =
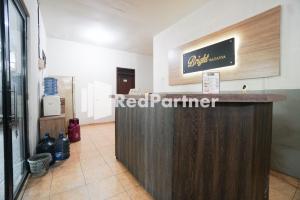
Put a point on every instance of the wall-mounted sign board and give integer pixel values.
(218, 55)
(253, 53)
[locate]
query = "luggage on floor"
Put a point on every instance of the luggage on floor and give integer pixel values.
(74, 130)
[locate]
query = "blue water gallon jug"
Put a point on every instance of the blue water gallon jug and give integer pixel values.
(62, 150)
(50, 86)
(47, 145)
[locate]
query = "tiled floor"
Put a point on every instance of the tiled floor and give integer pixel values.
(92, 172)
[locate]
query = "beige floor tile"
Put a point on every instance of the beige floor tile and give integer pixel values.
(93, 171)
(107, 154)
(110, 159)
(92, 163)
(111, 140)
(122, 196)
(108, 147)
(98, 174)
(280, 190)
(72, 171)
(297, 195)
(73, 157)
(292, 181)
(80, 148)
(102, 142)
(279, 195)
(107, 150)
(117, 167)
(105, 189)
(36, 197)
(73, 150)
(71, 162)
(89, 155)
(65, 183)
(79, 193)
(78, 144)
(138, 193)
(44, 180)
(127, 180)
(86, 149)
(38, 191)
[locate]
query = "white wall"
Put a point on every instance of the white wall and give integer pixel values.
(34, 74)
(88, 63)
(218, 14)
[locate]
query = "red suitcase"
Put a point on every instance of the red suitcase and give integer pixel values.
(74, 130)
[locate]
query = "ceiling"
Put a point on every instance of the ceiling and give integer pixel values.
(120, 24)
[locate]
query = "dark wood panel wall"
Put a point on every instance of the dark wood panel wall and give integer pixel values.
(222, 152)
(257, 43)
(144, 141)
(198, 154)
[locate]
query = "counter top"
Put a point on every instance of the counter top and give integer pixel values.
(223, 97)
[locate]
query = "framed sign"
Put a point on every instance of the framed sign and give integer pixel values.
(221, 54)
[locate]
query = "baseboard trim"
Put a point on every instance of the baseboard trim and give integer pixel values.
(97, 123)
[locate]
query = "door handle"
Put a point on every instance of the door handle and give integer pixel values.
(13, 118)
(15, 103)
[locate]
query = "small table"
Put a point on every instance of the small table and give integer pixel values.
(54, 125)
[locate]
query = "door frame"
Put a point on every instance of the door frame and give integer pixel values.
(6, 97)
(125, 71)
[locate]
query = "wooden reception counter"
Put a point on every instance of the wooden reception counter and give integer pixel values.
(199, 153)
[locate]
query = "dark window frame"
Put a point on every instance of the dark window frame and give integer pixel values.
(6, 97)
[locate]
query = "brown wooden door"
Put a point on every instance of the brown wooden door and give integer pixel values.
(125, 80)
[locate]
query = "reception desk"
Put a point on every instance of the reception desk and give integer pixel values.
(195, 153)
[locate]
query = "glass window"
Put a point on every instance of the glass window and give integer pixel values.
(1, 131)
